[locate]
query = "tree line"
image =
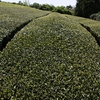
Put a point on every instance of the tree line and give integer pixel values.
(59, 9)
(85, 8)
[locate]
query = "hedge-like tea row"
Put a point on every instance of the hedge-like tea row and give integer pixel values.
(13, 16)
(93, 25)
(52, 58)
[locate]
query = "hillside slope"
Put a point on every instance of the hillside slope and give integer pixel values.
(52, 58)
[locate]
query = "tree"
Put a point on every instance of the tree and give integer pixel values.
(62, 10)
(35, 5)
(46, 7)
(69, 7)
(85, 8)
(20, 3)
(26, 2)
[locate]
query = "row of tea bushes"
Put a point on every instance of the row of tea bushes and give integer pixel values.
(93, 25)
(52, 58)
(13, 16)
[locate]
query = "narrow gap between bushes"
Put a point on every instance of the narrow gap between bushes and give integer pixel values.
(9, 37)
(92, 33)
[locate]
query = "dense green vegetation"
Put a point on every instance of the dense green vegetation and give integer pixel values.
(95, 16)
(59, 9)
(85, 8)
(12, 17)
(94, 25)
(48, 7)
(52, 58)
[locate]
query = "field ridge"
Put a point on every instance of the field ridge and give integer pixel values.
(92, 33)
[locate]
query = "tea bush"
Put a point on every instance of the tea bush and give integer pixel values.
(95, 16)
(93, 25)
(52, 58)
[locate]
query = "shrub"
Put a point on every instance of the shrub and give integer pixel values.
(62, 10)
(95, 16)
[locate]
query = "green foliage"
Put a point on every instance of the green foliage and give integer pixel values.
(94, 25)
(69, 7)
(85, 8)
(62, 10)
(95, 16)
(20, 3)
(12, 16)
(35, 5)
(59, 9)
(46, 7)
(52, 58)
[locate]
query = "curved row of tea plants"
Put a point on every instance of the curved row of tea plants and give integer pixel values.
(93, 25)
(52, 58)
(13, 16)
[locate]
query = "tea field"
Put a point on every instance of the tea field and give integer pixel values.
(53, 57)
(12, 17)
